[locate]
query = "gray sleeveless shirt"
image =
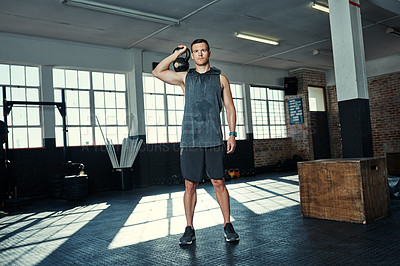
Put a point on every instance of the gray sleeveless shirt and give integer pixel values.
(201, 124)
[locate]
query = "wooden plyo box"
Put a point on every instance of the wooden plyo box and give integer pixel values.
(350, 190)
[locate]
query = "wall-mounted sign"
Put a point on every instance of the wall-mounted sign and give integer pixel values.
(295, 111)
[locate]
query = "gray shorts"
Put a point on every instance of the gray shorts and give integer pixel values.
(193, 161)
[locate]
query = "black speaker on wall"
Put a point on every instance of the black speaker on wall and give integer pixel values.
(290, 84)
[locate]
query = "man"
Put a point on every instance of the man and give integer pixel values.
(201, 143)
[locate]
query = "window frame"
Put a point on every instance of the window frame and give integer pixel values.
(265, 103)
(28, 83)
(166, 128)
(90, 125)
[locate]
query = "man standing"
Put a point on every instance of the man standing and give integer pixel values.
(205, 90)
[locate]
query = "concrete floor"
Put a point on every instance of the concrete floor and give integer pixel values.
(143, 227)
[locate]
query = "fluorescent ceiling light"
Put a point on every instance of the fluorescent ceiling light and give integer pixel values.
(320, 7)
(256, 39)
(121, 11)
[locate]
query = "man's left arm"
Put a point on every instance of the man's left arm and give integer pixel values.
(230, 112)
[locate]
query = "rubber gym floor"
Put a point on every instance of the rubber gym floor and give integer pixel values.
(143, 227)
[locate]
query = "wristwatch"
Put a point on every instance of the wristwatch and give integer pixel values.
(234, 133)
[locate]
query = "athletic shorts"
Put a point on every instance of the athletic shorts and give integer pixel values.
(195, 160)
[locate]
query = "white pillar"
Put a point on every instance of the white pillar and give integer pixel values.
(351, 78)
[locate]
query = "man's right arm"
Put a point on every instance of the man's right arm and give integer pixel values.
(171, 77)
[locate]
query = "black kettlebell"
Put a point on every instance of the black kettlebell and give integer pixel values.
(182, 64)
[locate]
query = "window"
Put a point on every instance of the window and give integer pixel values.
(24, 124)
(268, 113)
(237, 95)
(89, 94)
(164, 105)
(316, 99)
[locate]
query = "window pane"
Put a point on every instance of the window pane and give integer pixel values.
(18, 116)
(71, 78)
(112, 134)
(148, 84)
(35, 137)
(121, 117)
(18, 94)
(97, 81)
(99, 99)
(111, 117)
(59, 137)
(17, 75)
(110, 100)
(58, 78)
(151, 134)
(72, 116)
(120, 82)
(120, 100)
(159, 102)
(20, 137)
(162, 134)
(84, 79)
(109, 81)
(101, 116)
(32, 76)
(86, 134)
(98, 136)
(4, 74)
(74, 136)
(84, 99)
(71, 98)
(32, 95)
(85, 116)
(33, 116)
(122, 133)
(158, 86)
(150, 101)
(151, 117)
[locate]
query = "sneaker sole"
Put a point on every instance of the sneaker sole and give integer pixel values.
(187, 243)
(231, 239)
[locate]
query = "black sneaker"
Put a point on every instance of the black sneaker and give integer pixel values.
(188, 237)
(230, 234)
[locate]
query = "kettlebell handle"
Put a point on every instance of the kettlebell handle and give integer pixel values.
(187, 53)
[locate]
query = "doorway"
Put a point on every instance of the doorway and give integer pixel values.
(319, 123)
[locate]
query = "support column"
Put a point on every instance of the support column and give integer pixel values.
(136, 107)
(48, 112)
(248, 121)
(351, 79)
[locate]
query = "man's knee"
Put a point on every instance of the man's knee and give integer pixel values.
(190, 186)
(219, 184)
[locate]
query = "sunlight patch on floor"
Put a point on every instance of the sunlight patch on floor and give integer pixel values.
(264, 196)
(161, 215)
(42, 233)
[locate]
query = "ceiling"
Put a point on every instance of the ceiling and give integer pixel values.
(299, 28)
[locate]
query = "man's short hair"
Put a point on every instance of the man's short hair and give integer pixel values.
(200, 41)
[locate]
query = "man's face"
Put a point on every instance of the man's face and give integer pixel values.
(200, 54)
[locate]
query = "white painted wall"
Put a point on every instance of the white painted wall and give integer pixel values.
(376, 67)
(22, 49)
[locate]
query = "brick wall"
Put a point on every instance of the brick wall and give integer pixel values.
(384, 95)
(270, 151)
(301, 134)
(299, 141)
(334, 122)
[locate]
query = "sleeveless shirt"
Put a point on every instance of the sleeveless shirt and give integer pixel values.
(201, 124)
